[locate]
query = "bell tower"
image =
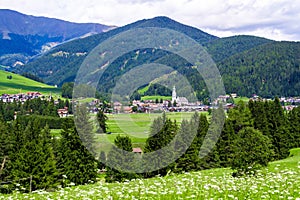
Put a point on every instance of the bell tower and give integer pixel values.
(174, 96)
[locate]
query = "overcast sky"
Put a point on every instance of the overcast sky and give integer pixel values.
(274, 19)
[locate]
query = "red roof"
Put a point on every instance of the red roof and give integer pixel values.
(137, 150)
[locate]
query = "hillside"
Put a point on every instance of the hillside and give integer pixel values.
(19, 84)
(71, 54)
(23, 36)
(261, 55)
(269, 70)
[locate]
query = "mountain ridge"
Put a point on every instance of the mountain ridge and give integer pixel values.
(61, 63)
(18, 23)
(24, 36)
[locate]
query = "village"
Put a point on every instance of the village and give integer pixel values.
(176, 104)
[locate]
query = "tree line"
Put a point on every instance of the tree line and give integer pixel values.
(253, 135)
(32, 159)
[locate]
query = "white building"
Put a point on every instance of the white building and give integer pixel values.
(179, 100)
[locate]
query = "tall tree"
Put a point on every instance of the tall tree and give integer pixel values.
(84, 127)
(163, 131)
(75, 162)
(251, 151)
(102, 118)
(120, 155)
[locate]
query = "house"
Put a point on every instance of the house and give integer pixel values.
(137, 150)
(63, 112)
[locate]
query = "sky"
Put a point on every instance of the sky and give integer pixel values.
(273, 19)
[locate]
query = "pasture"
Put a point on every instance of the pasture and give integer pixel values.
(136, 126)
(19, 84)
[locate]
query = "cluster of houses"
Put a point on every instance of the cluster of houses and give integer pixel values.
(10, 98)
(182, 105)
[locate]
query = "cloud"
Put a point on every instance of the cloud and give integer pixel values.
(277, 20)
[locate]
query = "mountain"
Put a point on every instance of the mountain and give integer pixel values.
(23, 36)
(269, 70)
(61, 63)
(248, 64)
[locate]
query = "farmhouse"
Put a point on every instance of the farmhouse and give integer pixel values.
(63, 112)
(137, 150)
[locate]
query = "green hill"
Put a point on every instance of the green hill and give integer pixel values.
(19, 84)
(64, 60)
(269, 70)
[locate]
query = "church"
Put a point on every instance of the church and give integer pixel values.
(180, 101)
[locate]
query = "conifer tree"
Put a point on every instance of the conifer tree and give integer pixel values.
(251, 151)
(35, 159)
(84, 127)
(294, 125)
(224, 144)
(75, 163)
(102, 118)
(120, 155)
(163, 131)
(190, 160)
(6, 145)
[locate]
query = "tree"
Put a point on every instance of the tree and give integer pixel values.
(224, 144)
(67, 90)
(102, 118)
(6, 147)
(190, 160)
(84, 127)
(35, 158)
(294, 123)
(75, 162)
(163, 131)
(120, 156)
(252, 150)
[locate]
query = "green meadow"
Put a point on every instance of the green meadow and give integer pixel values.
(136, 126)
(153, 98)
(20, 84)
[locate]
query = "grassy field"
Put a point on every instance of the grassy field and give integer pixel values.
(145, 98)
(280, 180)
(136, 126)
(245, 99)
(20, 84)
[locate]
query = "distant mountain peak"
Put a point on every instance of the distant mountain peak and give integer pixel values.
(18, 23)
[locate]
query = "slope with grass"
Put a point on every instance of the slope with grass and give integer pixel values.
(19, 84)
(280, 180)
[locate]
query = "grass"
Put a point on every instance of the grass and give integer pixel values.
(55, 132)
(143, 90)
(245, 99)
(137, 126)
(280, 180)
(20, 84)
(146, 98)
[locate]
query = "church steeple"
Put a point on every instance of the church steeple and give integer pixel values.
(174, 96)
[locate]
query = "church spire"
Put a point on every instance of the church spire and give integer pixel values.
(174, 96)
